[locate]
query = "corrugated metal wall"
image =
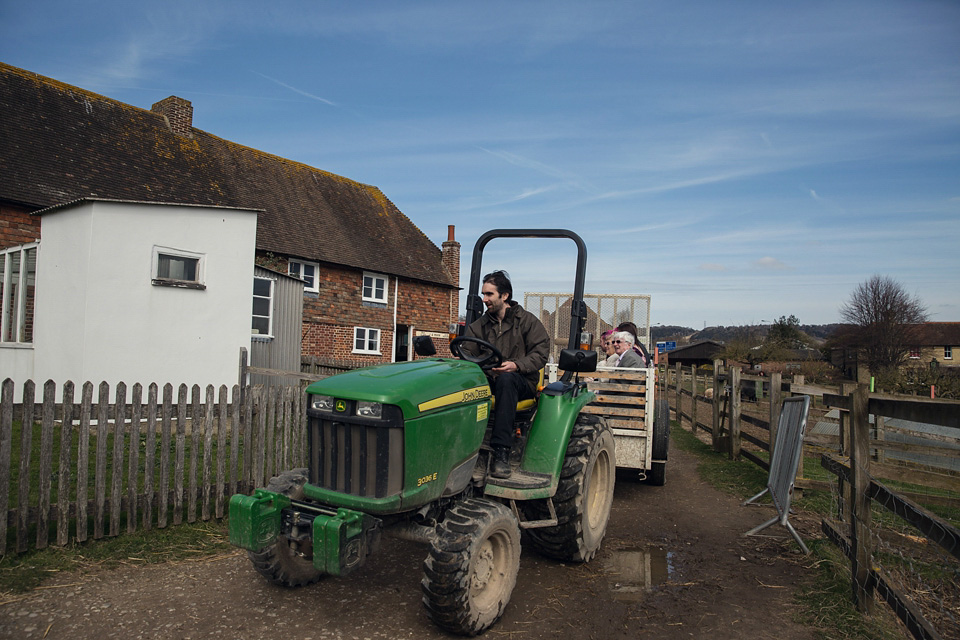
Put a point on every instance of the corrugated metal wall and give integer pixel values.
(282, 352)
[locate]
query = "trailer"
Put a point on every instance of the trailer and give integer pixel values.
(626, 398)
(640, 422)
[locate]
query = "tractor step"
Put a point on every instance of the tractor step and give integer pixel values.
(521, 479)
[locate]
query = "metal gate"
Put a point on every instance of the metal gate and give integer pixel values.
(604, 311)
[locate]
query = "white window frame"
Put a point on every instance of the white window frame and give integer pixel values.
(269, 316)
(364, 333)
(373, 287)
(948, 353)
(197, 283)
(13, 309)
(298, 273)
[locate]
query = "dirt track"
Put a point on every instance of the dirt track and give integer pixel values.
(708, 581)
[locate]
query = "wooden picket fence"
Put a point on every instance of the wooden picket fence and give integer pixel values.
(136, 463)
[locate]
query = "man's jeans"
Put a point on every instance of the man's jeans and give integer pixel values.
(508, 389)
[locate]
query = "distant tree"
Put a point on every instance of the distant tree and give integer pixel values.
(738, 350)
(785, 332)
(885, 319)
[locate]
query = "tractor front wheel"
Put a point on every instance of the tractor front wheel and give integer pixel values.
(282, 563)
(583, 498)
(472, 566)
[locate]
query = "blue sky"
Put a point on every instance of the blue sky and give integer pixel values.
(737, 161)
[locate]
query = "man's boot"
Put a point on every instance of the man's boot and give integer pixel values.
(500, 464)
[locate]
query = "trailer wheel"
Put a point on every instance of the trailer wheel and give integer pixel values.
(280, 563)
(661, 443)
(583, 497)
(471, 569)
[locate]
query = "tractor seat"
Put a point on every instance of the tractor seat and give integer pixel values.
(528, 404)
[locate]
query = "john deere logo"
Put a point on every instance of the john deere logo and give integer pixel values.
(341, 406)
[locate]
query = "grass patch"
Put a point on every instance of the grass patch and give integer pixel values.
(825, 601)
(20, 573)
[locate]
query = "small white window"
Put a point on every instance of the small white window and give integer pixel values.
(366, 340)
(374, 288)
(306, 271)
(948, 353)
(177, 268)
(263, 307)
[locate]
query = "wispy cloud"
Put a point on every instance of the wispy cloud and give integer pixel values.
(770, 264)
(295, 90)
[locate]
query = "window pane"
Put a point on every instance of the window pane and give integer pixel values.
(177, 267)
(261, 306)
(380, 287)
(293, 269)
(261, 326)
(261, 287)
(310, 275)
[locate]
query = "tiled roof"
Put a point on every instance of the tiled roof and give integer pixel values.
(60, 143)
(939, 334)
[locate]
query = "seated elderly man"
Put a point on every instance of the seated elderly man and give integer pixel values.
(623, 345)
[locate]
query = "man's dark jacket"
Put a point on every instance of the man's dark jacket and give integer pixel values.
(520, 337)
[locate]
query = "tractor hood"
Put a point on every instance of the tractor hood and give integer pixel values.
(417, 387)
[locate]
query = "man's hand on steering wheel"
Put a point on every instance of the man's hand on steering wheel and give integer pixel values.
(488, 359)
(508, 366)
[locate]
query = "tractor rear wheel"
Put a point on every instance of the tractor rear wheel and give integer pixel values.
(661, 442)
(583, 498)
(471, 569)
(281, 563)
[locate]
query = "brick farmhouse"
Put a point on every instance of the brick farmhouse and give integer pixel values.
(372, 279)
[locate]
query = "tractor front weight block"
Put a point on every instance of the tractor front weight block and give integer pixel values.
(255, 520)
(342, 542)
(341, 539)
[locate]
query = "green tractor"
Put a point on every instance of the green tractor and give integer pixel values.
(399, 449)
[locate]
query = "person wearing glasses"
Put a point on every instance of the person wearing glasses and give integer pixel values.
(609, 354)
(623, 345)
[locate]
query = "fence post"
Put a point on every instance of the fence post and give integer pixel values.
(860, 503)
(693, 397)
(735, 413)
(776, 404)
(6, 452)
(679, 370)
(717, 391)
(844, 497)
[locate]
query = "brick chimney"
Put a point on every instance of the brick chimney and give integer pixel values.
(451, 262)
(179, 115)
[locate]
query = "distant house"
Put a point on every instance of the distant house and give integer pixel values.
(936, 342)
(371, 279)
(698, 354)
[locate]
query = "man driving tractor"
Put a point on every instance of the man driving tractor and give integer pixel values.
(524, 343)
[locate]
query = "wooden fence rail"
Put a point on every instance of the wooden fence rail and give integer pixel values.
(724, 390)
(135, 463)
(858, 458)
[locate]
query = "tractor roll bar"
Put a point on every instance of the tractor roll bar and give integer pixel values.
(578, 309)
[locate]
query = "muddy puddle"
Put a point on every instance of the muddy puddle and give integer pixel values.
(631, 573)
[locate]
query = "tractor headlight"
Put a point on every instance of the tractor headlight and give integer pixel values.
(369, 409)
(321, 403)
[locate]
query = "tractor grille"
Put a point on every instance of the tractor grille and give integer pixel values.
(358, 456)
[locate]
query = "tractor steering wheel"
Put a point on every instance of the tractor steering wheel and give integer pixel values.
(488, 358)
